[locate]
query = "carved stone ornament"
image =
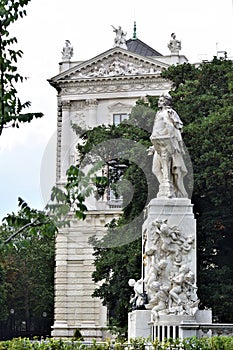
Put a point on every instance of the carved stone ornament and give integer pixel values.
(169, 281)
(119, 67)
(66, 104)
(102, 87)
(80, 119)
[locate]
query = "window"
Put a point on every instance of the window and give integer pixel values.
(118, 118)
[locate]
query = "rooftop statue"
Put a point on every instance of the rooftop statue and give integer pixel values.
(174, 44)
(168, 164)
(67, 51)
(120, 39)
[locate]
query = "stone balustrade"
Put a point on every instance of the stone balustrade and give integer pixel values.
(185, 330)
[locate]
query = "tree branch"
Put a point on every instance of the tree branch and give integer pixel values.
(30, 224)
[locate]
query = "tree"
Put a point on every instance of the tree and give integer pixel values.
(203, 98)
(26, 238)
(27, 262)
(10, 105)
(206, 107)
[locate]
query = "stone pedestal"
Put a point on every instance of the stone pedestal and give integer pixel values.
(178, 212)
(168, 326)
(169, 271)
(139, 324)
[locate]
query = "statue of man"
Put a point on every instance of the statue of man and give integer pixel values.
(168, 164)
(120, 39)
(174, 44)
(67, 51)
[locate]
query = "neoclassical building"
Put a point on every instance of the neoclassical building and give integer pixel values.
(100, 90)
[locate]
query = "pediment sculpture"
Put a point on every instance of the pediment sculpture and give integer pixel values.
(118, 67)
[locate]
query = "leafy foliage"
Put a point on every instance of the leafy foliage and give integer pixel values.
(27, 262)
(10, 105)
(205, 104)
(214, 343)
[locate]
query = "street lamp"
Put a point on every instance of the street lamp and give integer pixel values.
(44, 315)
(12, 323)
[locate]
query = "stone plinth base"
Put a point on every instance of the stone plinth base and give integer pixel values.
(168, 326)
(138, 324)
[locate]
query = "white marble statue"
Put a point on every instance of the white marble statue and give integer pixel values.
(67, 51)
(168, 279)
(174, 44)
(168, 164)
(182, 295)
(120, 39)
(155, 275)
(139, 298)
(160, 303)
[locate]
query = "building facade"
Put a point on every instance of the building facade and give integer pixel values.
(101, 90)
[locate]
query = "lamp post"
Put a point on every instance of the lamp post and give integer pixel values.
(12, 323)
(44, 330)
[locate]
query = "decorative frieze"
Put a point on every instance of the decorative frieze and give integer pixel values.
(117, 67)
(143, 85)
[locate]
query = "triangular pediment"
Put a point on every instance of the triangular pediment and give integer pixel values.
(119, 106)
(115, 62)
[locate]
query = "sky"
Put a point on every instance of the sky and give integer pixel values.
(27, 154)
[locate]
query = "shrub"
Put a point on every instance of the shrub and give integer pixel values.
(214, 343)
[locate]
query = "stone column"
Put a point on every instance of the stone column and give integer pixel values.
(65, 140)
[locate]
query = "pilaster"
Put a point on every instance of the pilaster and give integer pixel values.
(65, 139)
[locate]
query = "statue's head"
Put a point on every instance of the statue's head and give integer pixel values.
(162, 264)
(165, 100)
(155, 286)
(131, 282)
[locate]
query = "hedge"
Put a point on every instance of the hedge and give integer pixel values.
(214, 343)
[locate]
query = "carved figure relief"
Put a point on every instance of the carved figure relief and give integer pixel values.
(119, 68)
(139, 298)
(168, 279)
(86, 89)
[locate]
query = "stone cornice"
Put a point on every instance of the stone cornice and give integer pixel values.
(108, 80)
(115, 84)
